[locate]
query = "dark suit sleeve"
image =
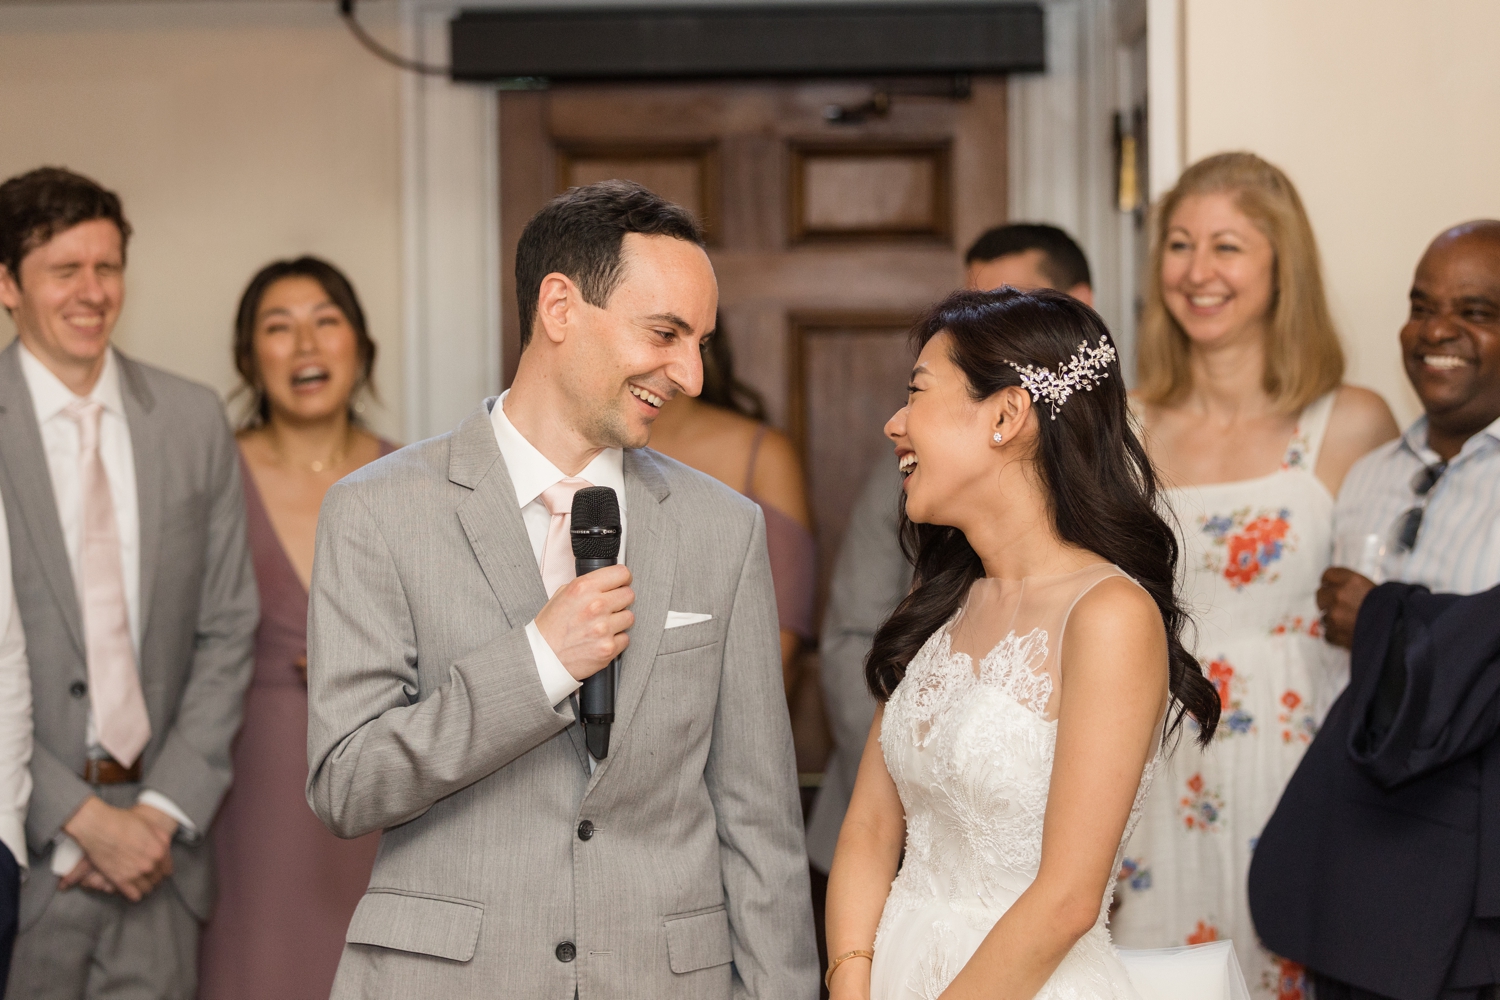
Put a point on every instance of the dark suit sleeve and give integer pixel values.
(751, 776)
(193, 768)
(377, 755)
(1426, 680)
(10, 905)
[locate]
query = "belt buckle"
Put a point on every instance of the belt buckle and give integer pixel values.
(108, 771)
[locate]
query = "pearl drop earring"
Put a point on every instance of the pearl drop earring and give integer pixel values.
(999, 437)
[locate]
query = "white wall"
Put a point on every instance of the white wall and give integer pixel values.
(1386, 115)
(1061, 149)
(235, 133)
(243, 130)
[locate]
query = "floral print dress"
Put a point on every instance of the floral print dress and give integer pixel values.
(1253, 553)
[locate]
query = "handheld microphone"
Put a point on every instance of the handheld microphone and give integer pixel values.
(596, 544)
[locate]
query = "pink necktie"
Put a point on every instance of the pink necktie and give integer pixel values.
(114, 685)
(557, 552)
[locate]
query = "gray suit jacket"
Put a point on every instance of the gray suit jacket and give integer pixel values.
(869, 580)
(198, 612)
(428, 720)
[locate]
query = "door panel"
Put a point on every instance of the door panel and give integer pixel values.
(686, 175)
(849, 375)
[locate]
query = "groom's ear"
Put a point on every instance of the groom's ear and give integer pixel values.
(557, 307)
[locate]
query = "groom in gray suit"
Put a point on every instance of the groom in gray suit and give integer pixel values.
(447, 637)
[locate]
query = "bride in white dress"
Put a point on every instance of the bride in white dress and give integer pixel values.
(1030, 680)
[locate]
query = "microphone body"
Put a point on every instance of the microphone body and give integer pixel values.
(595, 530)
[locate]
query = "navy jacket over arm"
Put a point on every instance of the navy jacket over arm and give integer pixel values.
(1383, 856)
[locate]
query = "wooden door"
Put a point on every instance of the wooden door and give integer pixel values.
(828, 239)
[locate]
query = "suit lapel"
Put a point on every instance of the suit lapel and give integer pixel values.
(651, 554)
(146, 447)
(492, 521)
(31, 484)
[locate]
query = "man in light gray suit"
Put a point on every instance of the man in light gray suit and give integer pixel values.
(441, 675)
(136, 592)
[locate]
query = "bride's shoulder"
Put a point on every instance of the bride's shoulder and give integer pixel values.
(1117, 619)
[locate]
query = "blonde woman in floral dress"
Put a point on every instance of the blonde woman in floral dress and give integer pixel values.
(1247, 419)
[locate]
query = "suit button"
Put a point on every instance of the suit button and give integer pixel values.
(566, 952)
(585, 830)
(78, 689)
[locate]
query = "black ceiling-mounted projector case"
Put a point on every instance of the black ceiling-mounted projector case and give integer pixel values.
(746, 42)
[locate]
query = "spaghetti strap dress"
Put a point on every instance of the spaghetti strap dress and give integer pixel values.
(287, 886)
(1253, 553)
(794, 573)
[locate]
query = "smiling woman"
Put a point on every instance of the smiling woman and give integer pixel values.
(1246, 417)
(287, 886)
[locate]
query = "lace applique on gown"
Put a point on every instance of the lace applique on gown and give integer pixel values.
(970, 748)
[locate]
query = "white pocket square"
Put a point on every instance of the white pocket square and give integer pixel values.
(677, 619)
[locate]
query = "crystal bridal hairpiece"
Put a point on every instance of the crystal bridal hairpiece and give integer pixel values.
(1084, 370)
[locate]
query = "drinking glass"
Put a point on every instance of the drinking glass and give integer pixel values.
(1363, 552)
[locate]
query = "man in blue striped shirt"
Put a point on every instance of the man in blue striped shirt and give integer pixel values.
(1432, 496)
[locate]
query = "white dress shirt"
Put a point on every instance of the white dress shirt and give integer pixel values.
(60, 441)
(1458, 546)
(531, 473)
(15, 712)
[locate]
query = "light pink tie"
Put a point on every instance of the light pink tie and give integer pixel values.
(557, 552)
(114, 685)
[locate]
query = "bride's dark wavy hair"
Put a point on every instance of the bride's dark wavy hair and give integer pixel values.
(1100, 485)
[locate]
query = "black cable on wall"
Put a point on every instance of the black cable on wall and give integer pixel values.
(346, 12)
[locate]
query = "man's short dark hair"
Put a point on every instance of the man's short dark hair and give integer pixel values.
(37, 205)
(1063, 261)
(579, 233)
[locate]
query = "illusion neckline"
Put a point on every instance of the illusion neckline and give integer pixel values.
(1049, 576)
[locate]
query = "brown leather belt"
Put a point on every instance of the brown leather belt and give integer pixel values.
(110, 772)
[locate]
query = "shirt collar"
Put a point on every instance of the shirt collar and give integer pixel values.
(1414, 440)
(50, 396)
(531, 472)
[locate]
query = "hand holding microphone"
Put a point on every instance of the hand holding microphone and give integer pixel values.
(591, 614)
(586, 620)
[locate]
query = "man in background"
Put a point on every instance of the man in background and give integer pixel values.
(127, 544)
(872, 574)
(1380, 869)
(1029, 255)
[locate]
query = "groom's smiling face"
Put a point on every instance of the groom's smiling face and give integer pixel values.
(645, 345)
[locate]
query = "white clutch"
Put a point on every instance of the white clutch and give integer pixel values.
(1197, 972)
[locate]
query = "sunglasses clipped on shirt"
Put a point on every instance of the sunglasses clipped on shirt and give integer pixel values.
(1411, 522)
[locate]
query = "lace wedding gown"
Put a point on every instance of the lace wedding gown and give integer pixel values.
(970, 749)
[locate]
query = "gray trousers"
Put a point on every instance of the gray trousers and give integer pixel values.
(92, 946)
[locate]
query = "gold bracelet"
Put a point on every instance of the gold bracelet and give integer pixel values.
(834, 965)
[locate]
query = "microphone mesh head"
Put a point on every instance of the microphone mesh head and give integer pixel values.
(596, 507)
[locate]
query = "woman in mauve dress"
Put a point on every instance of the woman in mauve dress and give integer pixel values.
(287, 887)
(723, 433)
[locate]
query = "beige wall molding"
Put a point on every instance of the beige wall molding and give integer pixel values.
(450, 234)
(1166, 72)
(1061, 148)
